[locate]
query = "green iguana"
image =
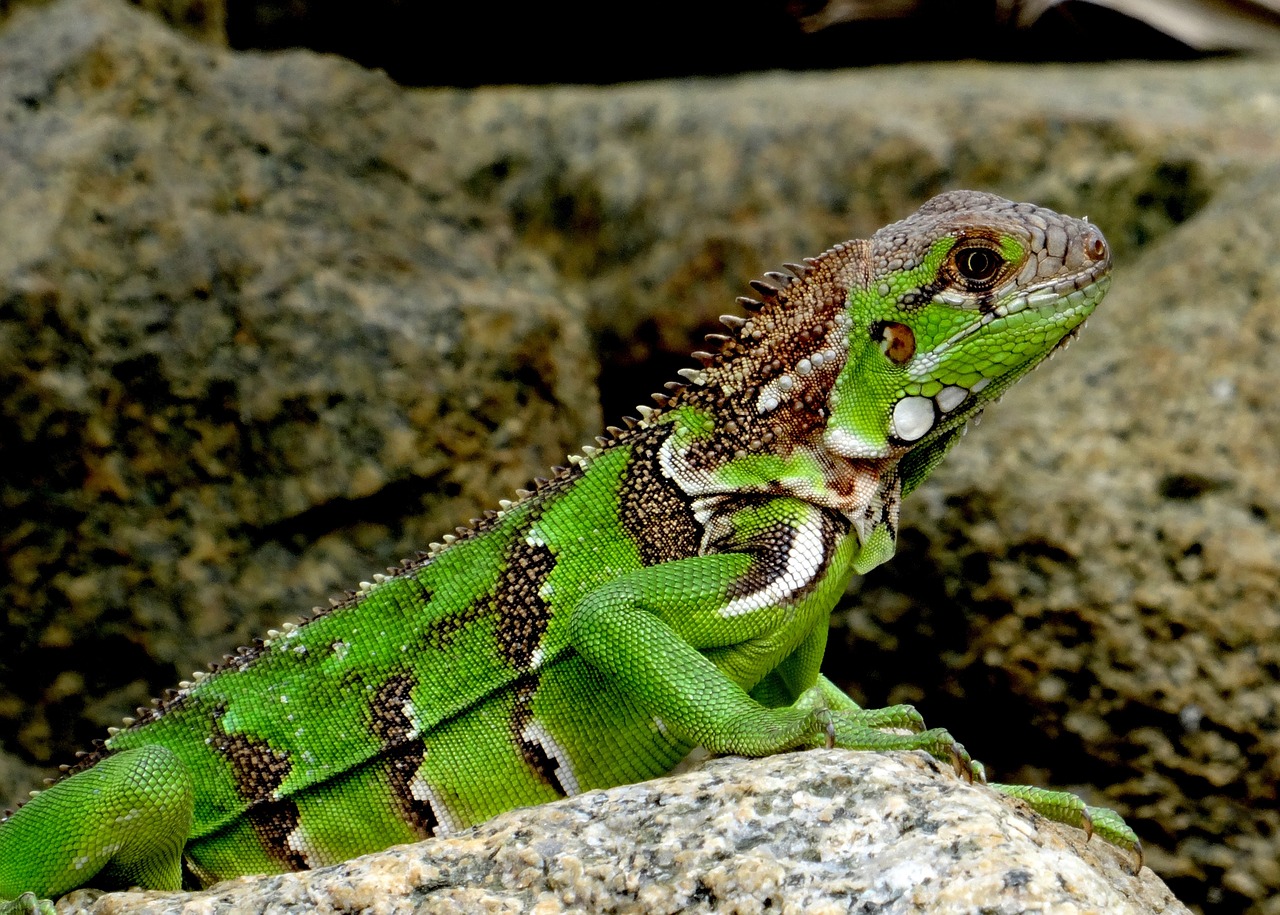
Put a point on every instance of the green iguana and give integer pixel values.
(668, 590)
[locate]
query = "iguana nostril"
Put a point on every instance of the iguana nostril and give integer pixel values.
(1095, 246)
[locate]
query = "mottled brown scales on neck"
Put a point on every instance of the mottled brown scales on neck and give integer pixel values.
(655, 512)
(796, 319)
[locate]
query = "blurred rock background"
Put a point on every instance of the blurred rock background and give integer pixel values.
(271, 321)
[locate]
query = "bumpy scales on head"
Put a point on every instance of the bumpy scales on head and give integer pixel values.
(670, 589)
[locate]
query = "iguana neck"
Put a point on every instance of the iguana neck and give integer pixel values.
(753, 417)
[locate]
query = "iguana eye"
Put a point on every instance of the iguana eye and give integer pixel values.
(977, 263)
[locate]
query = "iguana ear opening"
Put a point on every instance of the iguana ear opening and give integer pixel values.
(896, 341)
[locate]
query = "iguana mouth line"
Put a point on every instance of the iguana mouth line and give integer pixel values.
(1084, 297)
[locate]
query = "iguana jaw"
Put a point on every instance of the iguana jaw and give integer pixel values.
(1069, 307)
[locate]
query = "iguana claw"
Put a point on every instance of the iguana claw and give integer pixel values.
(979, 772)
(1112, 828)
(1063, 807)
(962, 762)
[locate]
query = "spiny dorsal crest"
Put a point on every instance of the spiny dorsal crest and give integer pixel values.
(788, 349)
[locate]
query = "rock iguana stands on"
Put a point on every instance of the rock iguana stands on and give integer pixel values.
(670, 589)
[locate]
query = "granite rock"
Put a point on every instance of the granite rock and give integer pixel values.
(816, 832)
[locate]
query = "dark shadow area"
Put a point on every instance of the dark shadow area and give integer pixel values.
(456, 45)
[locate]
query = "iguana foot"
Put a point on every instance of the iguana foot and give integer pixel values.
(27, 904)
(851, 733)
(891, 717)
(843, 723)
(1064, 807)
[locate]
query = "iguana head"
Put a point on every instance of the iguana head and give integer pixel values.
(960, 300)
(852, 378)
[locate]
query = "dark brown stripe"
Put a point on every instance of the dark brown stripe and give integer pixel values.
(402, 755)
(389, 710)
(401, 766)
(439, 633)
(273, 822)
(543, 763)
(257, 768)
(535, 754)
(523, 613)
(771, 548)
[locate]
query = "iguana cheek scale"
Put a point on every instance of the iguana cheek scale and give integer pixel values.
(670, 589)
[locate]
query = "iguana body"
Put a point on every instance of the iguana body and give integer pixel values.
(670, 589)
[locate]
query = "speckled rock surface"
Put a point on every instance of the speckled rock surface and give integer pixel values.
(818, 832)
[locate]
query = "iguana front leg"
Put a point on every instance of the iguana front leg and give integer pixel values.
(689, 639)
(122, 823)
(856, 728)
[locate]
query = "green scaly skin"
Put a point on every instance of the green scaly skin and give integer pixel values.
(671, 589)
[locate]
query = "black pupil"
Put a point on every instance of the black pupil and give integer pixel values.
(978, 263)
